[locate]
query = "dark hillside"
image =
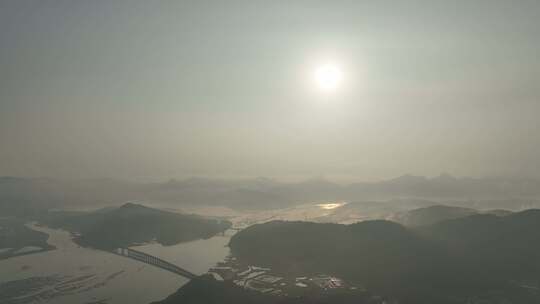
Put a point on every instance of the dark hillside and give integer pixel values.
(132, 224)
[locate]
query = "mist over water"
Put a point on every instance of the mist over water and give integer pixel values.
(72, 274)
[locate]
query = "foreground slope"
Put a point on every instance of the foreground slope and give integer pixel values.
(448, 262)
(383, 256)
(503, 247)
(205, 290)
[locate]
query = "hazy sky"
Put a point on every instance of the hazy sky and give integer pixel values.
(225, 88)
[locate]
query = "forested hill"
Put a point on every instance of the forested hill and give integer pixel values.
(132, 224)
(443, 263)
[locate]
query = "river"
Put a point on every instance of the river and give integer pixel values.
(71, 274)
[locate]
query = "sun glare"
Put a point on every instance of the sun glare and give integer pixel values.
(328, 77)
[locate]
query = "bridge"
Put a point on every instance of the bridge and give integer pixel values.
(154, 261)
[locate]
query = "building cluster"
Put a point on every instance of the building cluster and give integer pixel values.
(322, 282)
(263, 280)
(253, 278)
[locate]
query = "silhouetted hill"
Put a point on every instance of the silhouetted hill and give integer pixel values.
(506, 247)
(383, 256)
(446, 262)
(431, 215)
(497, 212)
(439, 213)
(132, 223)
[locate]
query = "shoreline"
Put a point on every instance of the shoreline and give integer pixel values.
(12, 253)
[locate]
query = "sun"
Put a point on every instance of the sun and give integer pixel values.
(328, 77)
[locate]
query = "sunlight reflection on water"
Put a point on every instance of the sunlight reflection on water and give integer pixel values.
(330, 206)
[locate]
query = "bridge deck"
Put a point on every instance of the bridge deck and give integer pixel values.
(154, 261)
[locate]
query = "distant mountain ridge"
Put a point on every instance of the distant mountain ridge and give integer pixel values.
(20, 195)
(447, 186)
